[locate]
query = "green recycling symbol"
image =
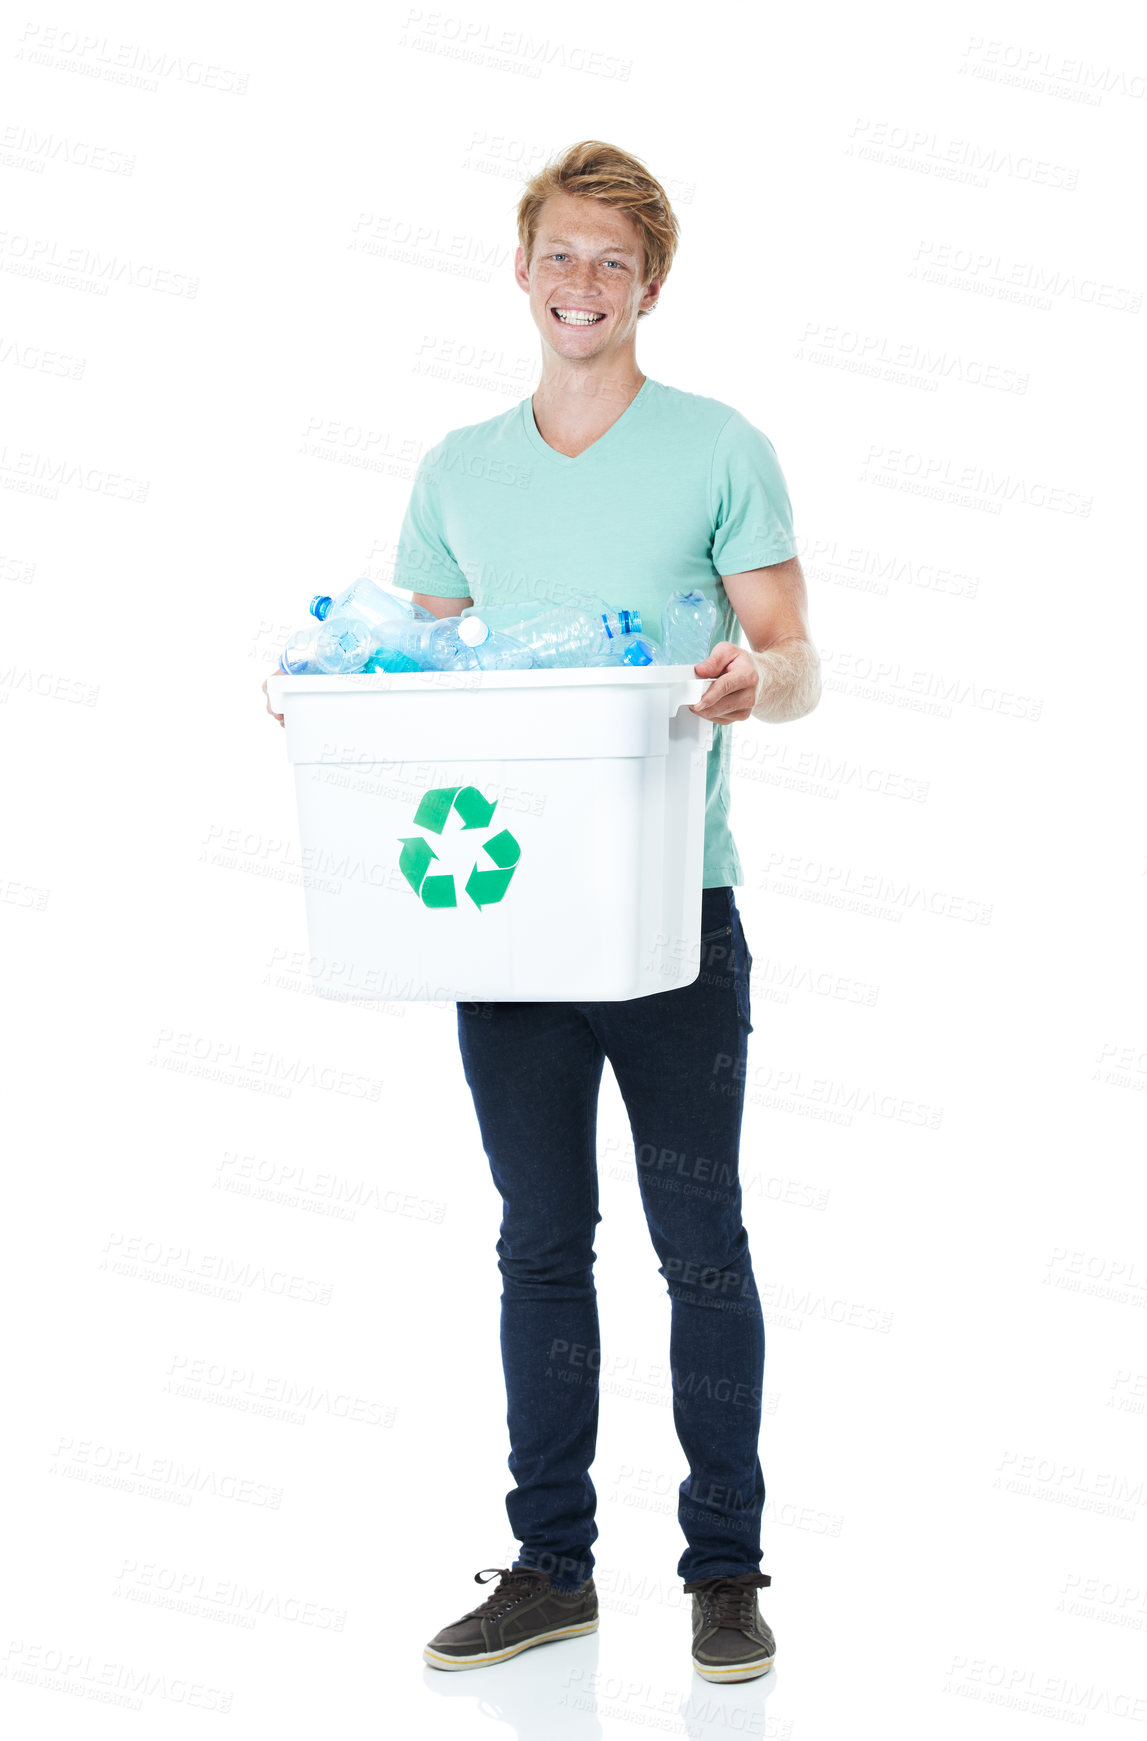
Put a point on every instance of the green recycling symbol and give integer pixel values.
(484, 886)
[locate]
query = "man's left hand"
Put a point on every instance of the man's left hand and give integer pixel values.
(734, 693)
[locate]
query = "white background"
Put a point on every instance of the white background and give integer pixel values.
(914, 264)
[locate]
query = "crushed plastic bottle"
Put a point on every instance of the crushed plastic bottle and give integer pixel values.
(687, 623)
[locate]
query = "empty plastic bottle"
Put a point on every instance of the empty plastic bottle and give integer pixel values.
(447, 651)
(617, 622)
(334, 648)
(344, 644)
(513, 618)
(687, 623)
(369, 602)
(493, 648)
(554, 635)
(342, 635)
(469, 644)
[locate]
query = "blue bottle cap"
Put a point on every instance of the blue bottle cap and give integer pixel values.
(321, 604)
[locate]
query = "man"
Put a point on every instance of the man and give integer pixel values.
(606, 483)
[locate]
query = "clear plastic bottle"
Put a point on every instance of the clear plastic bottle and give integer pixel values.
(513, 619)
(617, 622)
(344, 644)
(494, 649)
(343, 636)
(371, 603)
(687, 623)
(469, 644)
(446, 651)
(554, 635)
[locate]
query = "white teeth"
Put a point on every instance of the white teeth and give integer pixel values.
(574, 317)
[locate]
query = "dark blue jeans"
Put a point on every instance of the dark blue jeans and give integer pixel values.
(534, 1070)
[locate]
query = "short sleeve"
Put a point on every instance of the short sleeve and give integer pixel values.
(749, 501)
(424, 561)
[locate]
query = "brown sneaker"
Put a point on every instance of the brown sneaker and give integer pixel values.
(730, 1640)
(525, 1609)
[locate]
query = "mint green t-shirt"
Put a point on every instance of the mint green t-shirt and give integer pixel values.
(679, 491)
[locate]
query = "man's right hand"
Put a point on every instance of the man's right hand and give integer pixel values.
(270, 709)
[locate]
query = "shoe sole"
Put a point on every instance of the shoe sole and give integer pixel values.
(740, 1671)
(489, 1656)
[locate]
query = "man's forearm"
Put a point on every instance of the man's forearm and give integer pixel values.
(789, 680)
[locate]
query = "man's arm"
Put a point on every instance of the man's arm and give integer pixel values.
(439, 606)
(780, 678)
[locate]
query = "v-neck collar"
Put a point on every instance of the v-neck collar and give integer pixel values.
(536, 439)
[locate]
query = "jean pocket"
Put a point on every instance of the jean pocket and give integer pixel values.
(716, 915)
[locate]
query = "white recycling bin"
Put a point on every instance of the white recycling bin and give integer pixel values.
(500, 836)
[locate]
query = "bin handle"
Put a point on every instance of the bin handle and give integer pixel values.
(686, 692)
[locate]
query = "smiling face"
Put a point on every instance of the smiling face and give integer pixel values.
(585, 278)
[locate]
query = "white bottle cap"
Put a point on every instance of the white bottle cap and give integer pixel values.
(472, 631)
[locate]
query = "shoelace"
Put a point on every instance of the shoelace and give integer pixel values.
(730, 1601)
(513, 1586)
